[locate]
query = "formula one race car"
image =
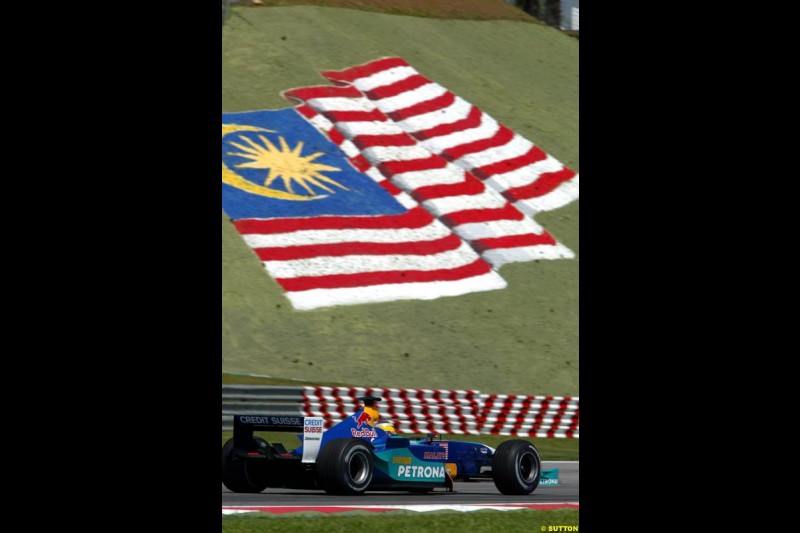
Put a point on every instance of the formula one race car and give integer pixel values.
(357, 455)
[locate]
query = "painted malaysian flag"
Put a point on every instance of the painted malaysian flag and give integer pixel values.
(477, 213)
(460, 132)
(385, 187)
(328, 233)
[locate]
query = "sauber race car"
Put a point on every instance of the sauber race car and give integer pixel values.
(358, 454)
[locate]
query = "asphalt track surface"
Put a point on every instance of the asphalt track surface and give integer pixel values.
(475, 492)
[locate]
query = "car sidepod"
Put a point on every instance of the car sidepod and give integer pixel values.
(403, 465)
(466, 460)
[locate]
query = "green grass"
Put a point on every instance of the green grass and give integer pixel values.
(449, 9)
(249, 379)
(549, 449)
(403, 521)
(521, 340)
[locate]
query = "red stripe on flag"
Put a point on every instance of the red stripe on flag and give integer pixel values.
(513, 241)
(428, 106)
(413, 218)
(466, 187)
(322, 91)
(288, 253)
(501, 167)
(306, 111)
(473, 120)
(390, 187)
(336, 136)
(503, 136)
(373, 115)
(367, 69)
(391, 168)
(367, 141)
(361, 163)
(545, 184)
(393, 89)
(468, 216)
(336, 281)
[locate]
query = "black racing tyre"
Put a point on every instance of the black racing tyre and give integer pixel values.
(237, 474)
(344, 466)
(516, 467)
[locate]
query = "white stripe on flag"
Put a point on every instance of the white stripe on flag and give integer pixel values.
(382, 154)
(487, 230)
(434, 230)
(458, 110)
(564, 194)
(386, 77)
(522, 176)
(353, 129)
(422, 178)
(351, 264)
(485, 130)
(488, 199)
(315, 298)
(502, 256)
(342, 104)
(409, 98)
(518, 146)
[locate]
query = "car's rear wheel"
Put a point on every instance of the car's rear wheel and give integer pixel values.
(238, 475)
(344, 466)
(516, 467)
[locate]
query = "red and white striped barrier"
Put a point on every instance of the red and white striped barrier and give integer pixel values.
(530, 416)
(410, 410)
(456, 412)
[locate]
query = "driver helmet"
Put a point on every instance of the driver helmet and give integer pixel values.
(371, 408)
(387, 427)
(373, 414)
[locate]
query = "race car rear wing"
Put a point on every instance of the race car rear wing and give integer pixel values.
(245, 425)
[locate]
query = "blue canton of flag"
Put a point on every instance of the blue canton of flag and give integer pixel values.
(279, 165)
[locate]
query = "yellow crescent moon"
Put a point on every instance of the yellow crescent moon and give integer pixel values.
(235, 180)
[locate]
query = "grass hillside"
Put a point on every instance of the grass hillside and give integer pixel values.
(450, 9)
(523, 339)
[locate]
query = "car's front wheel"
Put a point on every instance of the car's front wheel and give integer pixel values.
(516, 467)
